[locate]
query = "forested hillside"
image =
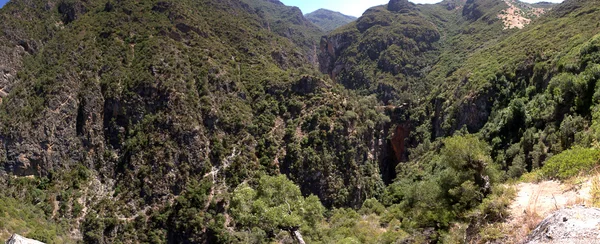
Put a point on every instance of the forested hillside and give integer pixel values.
(240, 121)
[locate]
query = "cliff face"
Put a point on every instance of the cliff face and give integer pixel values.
(20, 39)
(330, 49)
(18, 42)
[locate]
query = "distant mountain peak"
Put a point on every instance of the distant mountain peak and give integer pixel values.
(329, 20)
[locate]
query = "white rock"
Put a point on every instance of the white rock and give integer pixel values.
(17, 239)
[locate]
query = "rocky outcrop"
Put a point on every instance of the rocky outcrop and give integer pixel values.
(570, 225)
(400, 6)
(474, 112)
(70, 11)
(17, 239)
(37, 147)
(308, 85)
(471, 112)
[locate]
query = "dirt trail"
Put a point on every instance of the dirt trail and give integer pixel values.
(547, 196)
(535, 201)
(512, 17)
(515, 15)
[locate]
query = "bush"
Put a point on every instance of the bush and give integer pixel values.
(570, 163)
(371, 206)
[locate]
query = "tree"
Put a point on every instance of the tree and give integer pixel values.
(470, 174)
(276, 204)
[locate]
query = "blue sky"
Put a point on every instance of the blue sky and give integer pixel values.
(355, 7)
(2, 2)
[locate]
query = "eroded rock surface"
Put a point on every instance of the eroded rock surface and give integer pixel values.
(569, 225)
(17, 239)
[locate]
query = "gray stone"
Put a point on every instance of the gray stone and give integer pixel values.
(569, 225)
(17, 239)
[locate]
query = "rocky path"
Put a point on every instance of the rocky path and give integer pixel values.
(545, 197)
(535, 201)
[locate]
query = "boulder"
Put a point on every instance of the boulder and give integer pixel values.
(17, 239)
(569, 225)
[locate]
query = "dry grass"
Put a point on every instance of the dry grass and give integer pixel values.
(530, 221)
(536, 200)
(595, 191)
(517, 229)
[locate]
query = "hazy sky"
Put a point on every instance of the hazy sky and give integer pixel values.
(355, 7)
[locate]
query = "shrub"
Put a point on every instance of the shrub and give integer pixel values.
(570, 163)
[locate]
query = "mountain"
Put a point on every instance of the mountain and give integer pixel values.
(290, 23)
(329, 20)
(240, 121)
(455, 69)
(148, 113)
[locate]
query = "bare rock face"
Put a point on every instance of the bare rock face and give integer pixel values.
(332, 48)
(17, 239)
(570, 225)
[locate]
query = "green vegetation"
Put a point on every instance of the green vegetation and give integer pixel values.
(526, 93)
(29, 220)
(446, 186)
(43, 209)
(206, 121)
(275, 205)
(569, 163)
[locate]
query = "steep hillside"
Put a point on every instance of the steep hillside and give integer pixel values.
(288, 22)
(159, 99)
(528, 93)
(402, 52)
(329, 20)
